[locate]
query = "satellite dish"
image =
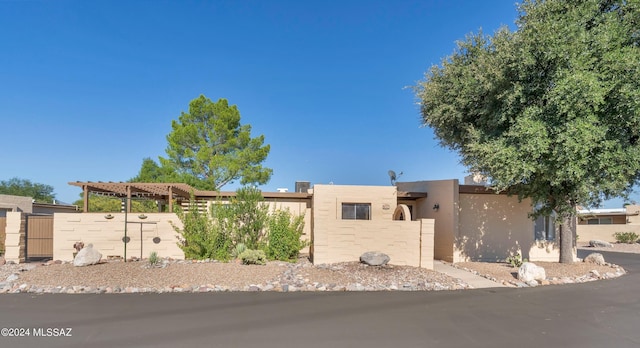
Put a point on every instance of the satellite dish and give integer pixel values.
(393, 177)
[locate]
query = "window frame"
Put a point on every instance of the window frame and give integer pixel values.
(357, 211)
(548, 230)
(600, 221)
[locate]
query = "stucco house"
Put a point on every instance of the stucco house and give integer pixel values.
(601, 224)
(473, 223)
(413, 222)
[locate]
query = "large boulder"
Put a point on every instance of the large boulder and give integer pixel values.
(596, 258)
(530, 271)
(374, 258)
(595, 243)
(87, 256)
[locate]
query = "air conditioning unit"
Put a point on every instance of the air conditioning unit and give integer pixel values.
(303, 186)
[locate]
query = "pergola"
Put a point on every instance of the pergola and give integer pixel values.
(167, 192)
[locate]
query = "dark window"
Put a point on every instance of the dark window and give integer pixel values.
(356, 211)
(600, 221)
(545, 228)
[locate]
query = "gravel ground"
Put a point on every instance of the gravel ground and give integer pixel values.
(177, 276)
(557, 273)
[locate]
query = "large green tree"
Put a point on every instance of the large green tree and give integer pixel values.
(550, 111)
(22, 187)
(151, 171)
(209, 148)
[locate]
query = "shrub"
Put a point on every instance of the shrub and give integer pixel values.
(153, 258)
(201, 238)
(253, 257)
(237, 250)
(516, 260)
(283, 239)
(626, 237)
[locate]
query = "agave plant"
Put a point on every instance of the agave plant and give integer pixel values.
(238, 249)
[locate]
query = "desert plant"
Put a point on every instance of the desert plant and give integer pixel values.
(283, 239)
(253, 257)
(153, 258)
(238, 249)
(244, 217)
(626, 237)
(516, 260)
(200, 237)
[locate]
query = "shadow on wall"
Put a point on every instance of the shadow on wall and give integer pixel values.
(493, 227)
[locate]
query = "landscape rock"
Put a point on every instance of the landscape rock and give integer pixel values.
(87, 256)
(595, 243)
(2, 261)
(530, 271)
(374, 258)
(596, 258)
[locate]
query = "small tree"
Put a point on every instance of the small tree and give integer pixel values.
(244, 217)
(251, 215)
(284, 237)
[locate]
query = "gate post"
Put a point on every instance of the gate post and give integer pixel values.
(15, 237)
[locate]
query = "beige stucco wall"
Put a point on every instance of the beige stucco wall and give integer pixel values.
(603, 232)
(492, 227)
(633, 212)
(445, 194)
(15, 237)
(106, 235)
(338, 240)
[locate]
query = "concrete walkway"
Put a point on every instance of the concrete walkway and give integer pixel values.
(475, 281)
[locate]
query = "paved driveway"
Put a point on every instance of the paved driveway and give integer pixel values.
(597, 314)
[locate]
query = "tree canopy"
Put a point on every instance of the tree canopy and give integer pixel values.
(550, 111)
(209, 147)
(150, 171)
(22, 187)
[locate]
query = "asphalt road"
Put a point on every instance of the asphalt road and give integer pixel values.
(597, 314)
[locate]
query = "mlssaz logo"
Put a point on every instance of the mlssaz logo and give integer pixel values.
(52, 332)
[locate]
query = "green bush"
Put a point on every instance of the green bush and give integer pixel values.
(253, 257)
(626, 237)
(242, 223)
(201, 238)
(153, 258)
(516, 260)
(237, 250)
(283, 239)
(243, 218)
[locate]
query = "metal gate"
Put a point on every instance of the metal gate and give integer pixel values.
(39, 233)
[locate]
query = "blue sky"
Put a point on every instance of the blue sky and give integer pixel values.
(89, 88)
